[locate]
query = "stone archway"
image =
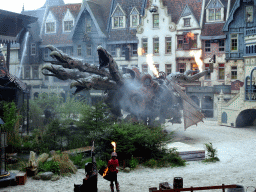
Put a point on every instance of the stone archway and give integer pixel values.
(246, 118)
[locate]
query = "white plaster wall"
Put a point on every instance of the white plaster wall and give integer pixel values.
(163, 31)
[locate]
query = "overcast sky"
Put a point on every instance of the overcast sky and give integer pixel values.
(16, 5)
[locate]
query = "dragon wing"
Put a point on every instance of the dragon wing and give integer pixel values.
(191, 114)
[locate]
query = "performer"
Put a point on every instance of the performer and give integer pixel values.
(113, 170)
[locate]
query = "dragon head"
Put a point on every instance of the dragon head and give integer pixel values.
(104, 57)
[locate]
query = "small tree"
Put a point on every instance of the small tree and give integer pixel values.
(211, 152)
(12, 119)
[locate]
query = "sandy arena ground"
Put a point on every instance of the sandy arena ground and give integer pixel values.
(236, 151)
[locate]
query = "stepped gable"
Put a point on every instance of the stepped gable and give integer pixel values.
(59, 12)
(176, 7)
(127, 33)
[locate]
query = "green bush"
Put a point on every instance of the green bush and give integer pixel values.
(27, 145)
(133, 163)
(52, 166)
(101, 163)
(151, 163)
(132, 140)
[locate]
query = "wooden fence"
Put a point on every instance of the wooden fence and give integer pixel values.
(223, 187)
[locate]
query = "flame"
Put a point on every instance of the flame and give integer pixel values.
(114, 145)
(141, 51)
(151, 65)
(191, 35)
(197, 55)
(105, 172)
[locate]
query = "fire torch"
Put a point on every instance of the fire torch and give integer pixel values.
(104, 169)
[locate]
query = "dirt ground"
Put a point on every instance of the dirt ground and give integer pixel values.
(235, 149)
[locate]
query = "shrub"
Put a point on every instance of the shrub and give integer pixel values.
(151, 163)
(100, 164)
(132, 140)
(52, 166)
(66, 165)
(211, 153)
(133, 163)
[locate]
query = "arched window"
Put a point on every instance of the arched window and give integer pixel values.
(224, 117)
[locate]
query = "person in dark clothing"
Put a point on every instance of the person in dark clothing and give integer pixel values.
(113, 170)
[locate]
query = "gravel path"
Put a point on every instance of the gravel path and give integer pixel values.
(236, 151)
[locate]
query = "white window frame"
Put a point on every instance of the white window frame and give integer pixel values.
(89, 48)
(33, 49)
(68, 18)
(118, 17)
(233, 69)
(52, 22)
(71, 27)
(236, 42)
(50, 19)
(131, 17)
(214, 17)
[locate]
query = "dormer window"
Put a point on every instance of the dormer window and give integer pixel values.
(50, 24)
(214, 11)
(249, 14)
(134, 18)
(68, 22)
(50, 27)
(118, 18)
(214, 14)
(68, 25)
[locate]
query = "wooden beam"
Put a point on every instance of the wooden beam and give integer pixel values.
(198, 188)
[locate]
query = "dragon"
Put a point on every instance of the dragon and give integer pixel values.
(143, 97)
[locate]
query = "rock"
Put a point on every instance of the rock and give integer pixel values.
(127, 169)
(46, 176)
(52, 152)
(55, 178)
(49, 159)
(42, 158)
(36, 177)
(32, 159)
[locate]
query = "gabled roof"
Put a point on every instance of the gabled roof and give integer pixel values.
(214, 30)
(234, 6)
(100, 11)
(126, 34)
(59, 12)
(53, 3)
(176, 7)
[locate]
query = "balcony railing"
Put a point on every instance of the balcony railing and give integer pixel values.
(251, 31)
